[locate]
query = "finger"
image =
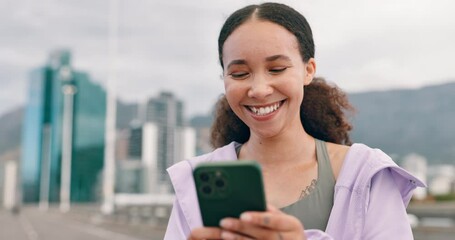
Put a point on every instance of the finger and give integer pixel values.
(238, 229)
(205, 233)
(228, 235)
(272, 208)
(273, 220)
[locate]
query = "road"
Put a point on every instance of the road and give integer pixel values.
(33, 224)
(89, 224)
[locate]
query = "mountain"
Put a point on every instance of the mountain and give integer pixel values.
(404, 121)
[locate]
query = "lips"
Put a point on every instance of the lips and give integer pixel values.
(265, 110)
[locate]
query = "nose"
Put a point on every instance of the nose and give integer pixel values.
(260, 88)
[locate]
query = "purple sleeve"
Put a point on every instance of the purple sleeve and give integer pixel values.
(386, 216)
(177, 228)
(313, 234)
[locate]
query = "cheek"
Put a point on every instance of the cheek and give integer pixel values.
(233, 100)
(227, 89)
(233, 89)
(296, 91)
(293, 84)
(231, 94)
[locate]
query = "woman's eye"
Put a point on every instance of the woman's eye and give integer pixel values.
(278, 70)
(239, 75)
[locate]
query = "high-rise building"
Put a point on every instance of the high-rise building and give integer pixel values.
(63, 134)
(161, 139)
(167, 113)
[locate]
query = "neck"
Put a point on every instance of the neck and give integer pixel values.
(287, 149)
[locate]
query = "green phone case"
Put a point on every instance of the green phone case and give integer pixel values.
(227, 189)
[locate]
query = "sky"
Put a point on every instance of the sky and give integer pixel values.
(172, 45)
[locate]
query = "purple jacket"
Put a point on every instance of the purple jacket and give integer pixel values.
(371, 195)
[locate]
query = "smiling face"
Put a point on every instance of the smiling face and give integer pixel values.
(264, 77)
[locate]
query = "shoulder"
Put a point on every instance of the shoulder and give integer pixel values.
(355, 159)
(362, 164)
(337, 154)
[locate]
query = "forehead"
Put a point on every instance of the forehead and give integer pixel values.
(260, 37)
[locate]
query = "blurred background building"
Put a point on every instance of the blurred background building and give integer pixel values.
(441, 179)
(64, 123)
(158, 138)
(65, 110)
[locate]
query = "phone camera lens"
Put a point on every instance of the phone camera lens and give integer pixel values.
(219, 183)
(207, 190)
(204, 177)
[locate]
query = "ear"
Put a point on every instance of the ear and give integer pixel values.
(310, 71)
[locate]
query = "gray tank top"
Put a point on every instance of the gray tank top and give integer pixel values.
(313, 210)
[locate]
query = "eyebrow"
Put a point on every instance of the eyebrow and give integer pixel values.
(277, 57)
(236, 62)
(268, 59)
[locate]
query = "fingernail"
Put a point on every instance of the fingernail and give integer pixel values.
(225, 223)
(246, 217)
(227, 235)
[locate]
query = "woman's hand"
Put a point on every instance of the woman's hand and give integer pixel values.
(272, 224)
(205, 233)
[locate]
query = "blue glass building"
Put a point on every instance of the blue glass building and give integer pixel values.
(62, 101)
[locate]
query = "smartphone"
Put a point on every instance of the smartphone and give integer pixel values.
(227, 189)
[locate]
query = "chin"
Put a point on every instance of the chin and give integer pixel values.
(264, 134)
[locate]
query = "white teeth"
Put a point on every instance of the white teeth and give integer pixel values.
(265, 110)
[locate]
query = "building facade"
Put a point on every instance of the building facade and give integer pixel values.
(63, 134)
(166, 112)
(160, 138)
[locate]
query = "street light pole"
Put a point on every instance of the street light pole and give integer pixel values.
(67, 146)
(111, 110)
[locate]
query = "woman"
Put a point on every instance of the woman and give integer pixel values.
(274, 111)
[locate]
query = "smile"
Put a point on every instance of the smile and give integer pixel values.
(264, 110)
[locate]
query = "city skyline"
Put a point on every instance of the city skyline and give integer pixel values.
(360, 46)
(63, 139)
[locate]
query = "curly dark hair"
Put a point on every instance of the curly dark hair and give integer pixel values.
(324, 108)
